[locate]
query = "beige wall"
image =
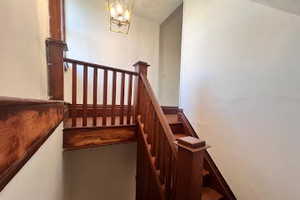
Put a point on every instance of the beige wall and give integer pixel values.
(240, 88)
(22, 50)
(169, 58)
(23, 73)
(106, 173)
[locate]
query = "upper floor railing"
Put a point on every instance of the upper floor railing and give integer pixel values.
(101, 95)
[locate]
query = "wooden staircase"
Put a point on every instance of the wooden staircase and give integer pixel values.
(214, 185)
(172, 162)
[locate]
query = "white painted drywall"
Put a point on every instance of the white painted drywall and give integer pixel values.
(89, 39)
(169, 58)
(24, 29)
(102, 173)
(23, 73)
(240, 88)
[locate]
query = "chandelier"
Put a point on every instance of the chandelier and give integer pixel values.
(120, 15)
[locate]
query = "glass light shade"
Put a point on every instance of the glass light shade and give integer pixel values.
(120, 15)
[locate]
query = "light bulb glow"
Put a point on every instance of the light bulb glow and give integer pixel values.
(127, 15)
(119, 8)
(113, 12)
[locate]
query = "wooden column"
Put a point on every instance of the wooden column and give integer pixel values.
(189, 168)
(55, 51)
(142, 69)
(56, 12)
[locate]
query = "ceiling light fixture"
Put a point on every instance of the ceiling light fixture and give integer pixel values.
(120, 12)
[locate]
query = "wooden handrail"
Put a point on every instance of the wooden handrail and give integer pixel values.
(161, 117)
(69, 60)
(157, 154)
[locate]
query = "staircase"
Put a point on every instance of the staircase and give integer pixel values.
(172, 162)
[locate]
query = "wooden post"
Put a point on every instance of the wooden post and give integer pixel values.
(142, 69)
(55, 52)
(189, 168)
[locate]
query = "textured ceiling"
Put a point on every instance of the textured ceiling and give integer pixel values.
(292, 6)
(157, 10)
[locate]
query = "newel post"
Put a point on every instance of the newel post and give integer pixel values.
(142, 69)
(55, 61)
(189, 168)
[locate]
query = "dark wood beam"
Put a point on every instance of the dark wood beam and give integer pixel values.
(25, 124)
(82, 138)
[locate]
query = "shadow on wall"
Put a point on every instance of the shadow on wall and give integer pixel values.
(106, 172)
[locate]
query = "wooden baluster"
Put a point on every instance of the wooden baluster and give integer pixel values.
(168, 172)
(85, 93)
(74, 93)
(150, 125)
(162, 158)
(154, 143)
(190, 163)
(129, 100)
(158, 149)
(122, 99)
(95, 88)
(145, 117)
(104, 121)
(113, 108)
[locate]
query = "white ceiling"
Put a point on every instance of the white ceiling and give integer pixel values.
(292, 6)
(157, 10)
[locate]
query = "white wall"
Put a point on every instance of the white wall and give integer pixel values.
(23, 73)
(240, 88)
(24, 29)
(169, 58)
(106, 173)
(89, 39)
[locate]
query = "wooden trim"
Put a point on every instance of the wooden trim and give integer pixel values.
(68, 60)
(18, 140)
(56, 19)
(92, 137)
(99, 110)
(221, 184)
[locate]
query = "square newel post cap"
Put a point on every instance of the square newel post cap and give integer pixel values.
(192, 144)
(141, 67)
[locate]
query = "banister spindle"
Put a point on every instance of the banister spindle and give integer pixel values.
(85, 93)
(122, 99)
(129, 100)
(74, 93)
(189, 164)
(95, 88)
(113, 108)
(104, 97)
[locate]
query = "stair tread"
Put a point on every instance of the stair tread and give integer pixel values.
(180, 135)
(172, 118)
(210, 194)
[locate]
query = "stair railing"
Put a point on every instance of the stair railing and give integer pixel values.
(166, 170)
(113, 107)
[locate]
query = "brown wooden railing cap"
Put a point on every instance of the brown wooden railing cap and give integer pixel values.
(192, 143)
(141, 63)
